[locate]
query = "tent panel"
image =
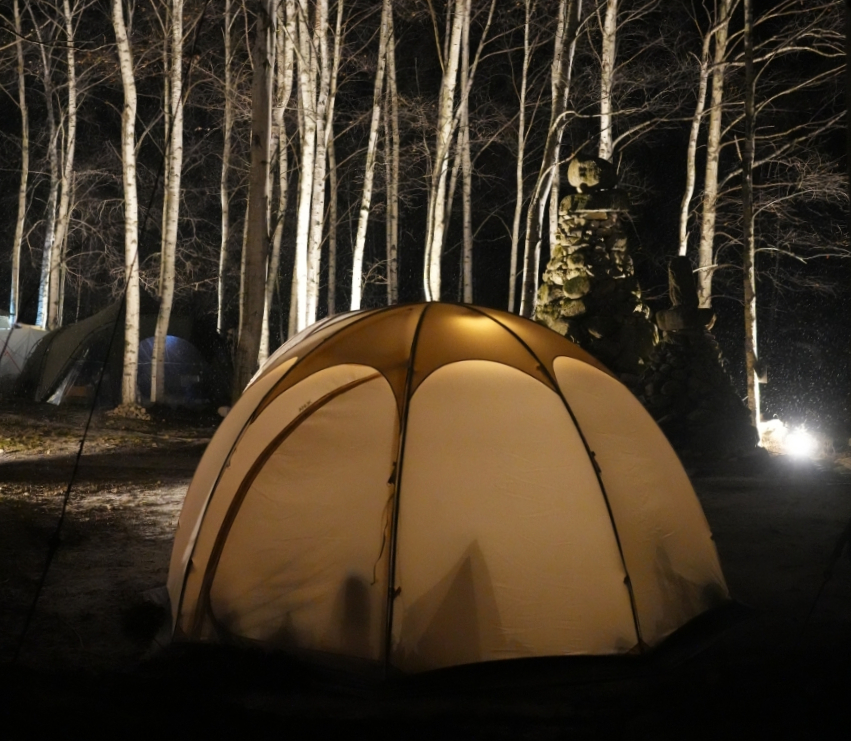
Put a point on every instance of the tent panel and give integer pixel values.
(303, 341)
(236, 463)
(205, 477)
(545, 344)
(304, 564)
(456, 333)
(380, 339)
(668, 549)
(16, 344)
(505, 548)
(64, 345)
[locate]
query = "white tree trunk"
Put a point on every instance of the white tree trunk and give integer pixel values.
(63, 216)
(257, 242)
(706, 248)
(445, 128)
(608, 48)
(333, 215)
(283, 90)
(224, 189)
(521, 158)
(554, 191)
(171, 196)
(49, 260)
(391, 157)
(369, 166)
(749, 251)
(14, 294)
(332, 162)
(131, 208)
(324, 111)
(466, 171)
(691, 150)
(563, 48)
(307, 65)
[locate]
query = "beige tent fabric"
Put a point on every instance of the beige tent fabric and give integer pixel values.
(204, 481)
(521, 559)
(672, 562)
(255, 438)
(297, 565)
(433, 485)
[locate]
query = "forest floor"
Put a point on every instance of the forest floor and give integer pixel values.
(85, 663)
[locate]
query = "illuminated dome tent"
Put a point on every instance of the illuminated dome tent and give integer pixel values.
(432, 485)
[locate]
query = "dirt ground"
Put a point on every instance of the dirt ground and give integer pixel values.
(86, 663)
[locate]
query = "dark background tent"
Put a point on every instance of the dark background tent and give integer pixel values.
(66, 364)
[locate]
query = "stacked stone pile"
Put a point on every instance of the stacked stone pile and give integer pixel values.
(589, 291)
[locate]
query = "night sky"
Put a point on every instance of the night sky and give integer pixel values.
(803, 324)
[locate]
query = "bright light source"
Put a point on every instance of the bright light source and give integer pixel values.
(800, 443)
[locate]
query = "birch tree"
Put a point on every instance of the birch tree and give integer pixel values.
(284, 34)
(694, 133)
(307, 72)
(171, 192)
(749, 246)
(224, 188)
(131, 208)
(608, 50)
(17, 240)
(66, 181)
(564, 45)
(369, 166)
(49, 254)
(529, 7)
(445, 128)
(448, 117)
(391, 161)
(327, 71)
(706, 246)
(466, 170)
(255, 250)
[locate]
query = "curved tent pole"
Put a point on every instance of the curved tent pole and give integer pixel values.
(392, 592)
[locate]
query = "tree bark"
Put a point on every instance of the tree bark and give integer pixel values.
(131, 208)
(521, 157)
(369, 166)
(691, 150)
(554, 190)
(332, 165)
(307, 105)
(749, 251)
(391, 158)
(283, 91)
(564, 44)
(224, 189)
(49, 261)
(607, 73)
(171, 196)
(324, 108)
(63, 216)
(14, 294)
(440, 164)
(257, 243)
(706, 248)
(466, 172)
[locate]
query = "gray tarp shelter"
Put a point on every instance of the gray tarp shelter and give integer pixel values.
(67, 362)
(16, 343)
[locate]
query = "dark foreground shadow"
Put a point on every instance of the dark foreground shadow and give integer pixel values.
(119, 463)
